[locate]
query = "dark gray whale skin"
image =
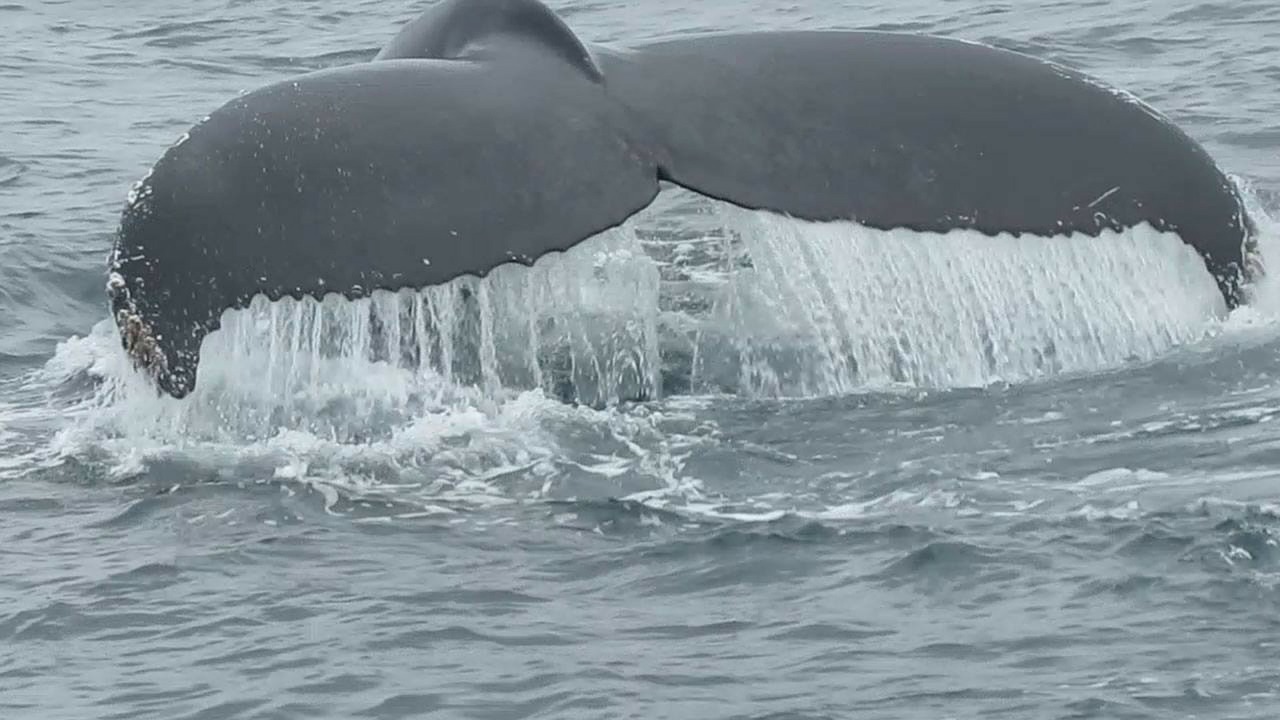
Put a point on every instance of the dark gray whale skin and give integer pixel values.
(486, 132)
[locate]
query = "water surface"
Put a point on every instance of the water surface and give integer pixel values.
(1057, 497)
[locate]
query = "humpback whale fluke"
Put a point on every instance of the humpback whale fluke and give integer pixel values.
(486, 132)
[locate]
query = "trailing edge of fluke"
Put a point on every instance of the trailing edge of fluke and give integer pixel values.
(486, 132)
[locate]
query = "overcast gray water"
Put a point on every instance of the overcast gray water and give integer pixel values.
(1080, 523)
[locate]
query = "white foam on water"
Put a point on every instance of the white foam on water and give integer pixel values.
(826, 309)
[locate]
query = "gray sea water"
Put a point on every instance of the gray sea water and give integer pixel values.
(891, 477)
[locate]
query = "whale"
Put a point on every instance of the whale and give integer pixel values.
(486, 132)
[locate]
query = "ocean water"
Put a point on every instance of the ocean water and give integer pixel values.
(1048, 487)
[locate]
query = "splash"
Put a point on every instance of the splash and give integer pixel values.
(580, 327)
(827, 309)
(491, 391)
(466, 393)
(1262, 306)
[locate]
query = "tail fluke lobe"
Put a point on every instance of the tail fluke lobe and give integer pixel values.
(401, 173)
(932, 134)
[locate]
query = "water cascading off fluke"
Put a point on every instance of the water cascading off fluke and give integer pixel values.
(581, 326)
(827, 309)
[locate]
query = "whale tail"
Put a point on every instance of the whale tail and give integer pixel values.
(486, 133)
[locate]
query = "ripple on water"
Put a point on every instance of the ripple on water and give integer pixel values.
(10, 171)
